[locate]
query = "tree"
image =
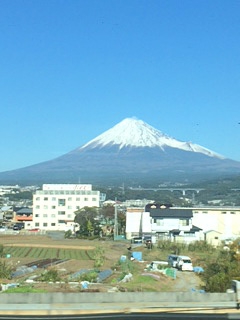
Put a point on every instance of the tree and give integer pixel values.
(218, 274)
(107, 214)
(87, 220)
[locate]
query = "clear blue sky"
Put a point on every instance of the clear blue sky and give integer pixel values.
(71, 69)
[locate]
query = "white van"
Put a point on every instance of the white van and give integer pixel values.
(184, 263)
(172, 260)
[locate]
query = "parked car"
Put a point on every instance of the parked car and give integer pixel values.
(18, 226)
(184, 263)
(172, 260)
(137, 240)
(3, 228)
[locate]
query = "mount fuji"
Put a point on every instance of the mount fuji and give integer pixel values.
(132, 151)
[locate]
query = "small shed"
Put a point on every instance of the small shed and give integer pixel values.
(213, 237)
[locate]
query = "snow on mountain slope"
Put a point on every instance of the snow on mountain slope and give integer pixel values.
(132, 132)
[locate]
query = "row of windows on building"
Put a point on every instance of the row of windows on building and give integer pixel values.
(160, 222)
(45, 207)
(53, 215)
(48, 224)
(63, 201)
(223, 212)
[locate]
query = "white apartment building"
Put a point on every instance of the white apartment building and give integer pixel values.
(55, 205)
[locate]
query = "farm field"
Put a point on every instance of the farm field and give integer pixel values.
(74, 255)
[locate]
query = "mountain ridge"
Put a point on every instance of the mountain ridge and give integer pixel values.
(137, 133)
(131, 151)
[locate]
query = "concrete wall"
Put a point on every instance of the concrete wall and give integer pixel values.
(118, 297)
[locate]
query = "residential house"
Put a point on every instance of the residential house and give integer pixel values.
(24, 215)
(213, 237)
(162, 221)
(7, 212)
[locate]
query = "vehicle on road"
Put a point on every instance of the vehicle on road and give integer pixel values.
(184, 263)
(172, 260)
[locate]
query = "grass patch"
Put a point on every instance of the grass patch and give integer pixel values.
(142, 283)
(24, 289)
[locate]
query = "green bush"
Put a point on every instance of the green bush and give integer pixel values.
(218, 274)
(68, 234)
(172, 247)
(2, 253)
(202, 246)
(89, 276)
(5, 270)
(51, 275)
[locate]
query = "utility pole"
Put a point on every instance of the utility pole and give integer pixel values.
(115, 220)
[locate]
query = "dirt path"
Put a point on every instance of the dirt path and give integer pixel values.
(186, 281)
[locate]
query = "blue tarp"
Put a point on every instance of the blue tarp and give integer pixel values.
(198, 269)
(137, 255)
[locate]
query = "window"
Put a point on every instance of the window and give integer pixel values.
(160, 222)
(45, 224)
(37, 207)
(45, 198)
(37, 215)
(45, 207)
(61, 202)
(69, 207)
(36, 224)
(53, 198)
(37, 198)
(94, 199)
(53, 207)
(53, 224)
(70, 199)
(69, 216)
(184, 222)
(53, 215)
(223, 212)
(45, 215)
(61, 213)
(77, 199)
(85, 199)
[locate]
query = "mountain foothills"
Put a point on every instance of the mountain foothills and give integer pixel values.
(131, 152)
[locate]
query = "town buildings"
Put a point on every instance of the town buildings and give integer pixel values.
(212, 224)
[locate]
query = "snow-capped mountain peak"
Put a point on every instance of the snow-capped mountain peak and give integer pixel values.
(132, 132)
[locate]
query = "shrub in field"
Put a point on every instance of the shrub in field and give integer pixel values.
(172, 247)
(51, 275)
(202, 246)
(218, 274)
(98, 256)
(2, 253)
(89, 276)
(126, 267)
(5, 270)
(68, 234)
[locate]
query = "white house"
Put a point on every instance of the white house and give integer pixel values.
(184, 224)
(54, 206)
(162, 222)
